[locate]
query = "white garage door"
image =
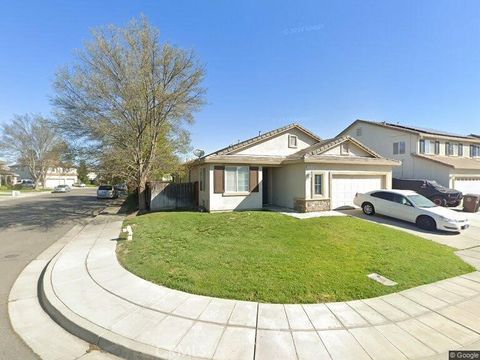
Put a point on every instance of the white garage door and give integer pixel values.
(467, 185)
(344, 188)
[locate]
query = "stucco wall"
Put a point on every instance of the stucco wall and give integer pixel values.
(279, 145)
(288, 183)
(381, 140)
(427, 169)
(224, 202)
(203, 196)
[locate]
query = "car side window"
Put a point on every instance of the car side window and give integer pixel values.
(401, 200)
(383, 195)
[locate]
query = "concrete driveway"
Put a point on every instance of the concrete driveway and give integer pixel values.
(467, 242)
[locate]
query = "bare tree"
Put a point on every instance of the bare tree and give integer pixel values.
(33, 143)
(130, 96)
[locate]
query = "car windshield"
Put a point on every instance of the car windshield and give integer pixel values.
(105, 187)
(420, 201)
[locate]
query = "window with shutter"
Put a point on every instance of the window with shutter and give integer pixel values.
(237, 179)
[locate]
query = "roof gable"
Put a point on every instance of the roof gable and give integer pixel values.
(323, 147)
(236, 148)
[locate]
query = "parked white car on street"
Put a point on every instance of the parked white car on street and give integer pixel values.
(61, 189)
(106, 192)
(409, 206)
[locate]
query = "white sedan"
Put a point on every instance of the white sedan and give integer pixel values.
(409, 206)
(61, 189)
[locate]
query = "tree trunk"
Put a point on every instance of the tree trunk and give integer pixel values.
(142, 199)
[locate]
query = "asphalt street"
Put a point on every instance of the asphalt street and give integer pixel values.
(27, 227)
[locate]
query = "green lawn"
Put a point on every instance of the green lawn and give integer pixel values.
(269, 257)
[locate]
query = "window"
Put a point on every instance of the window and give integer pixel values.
(399, 147)
(236, 179)
(460, 149)
(317, 184)
(292, 141)
(359, 131)
(474, 150)
(449, 149)
(383, 195)
(422, 146)
(428, 146)
(344, 149)
(400, 199)
(202, 178)
(437, 148)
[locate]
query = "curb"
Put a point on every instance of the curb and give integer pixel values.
(28, 318)
(94, 334)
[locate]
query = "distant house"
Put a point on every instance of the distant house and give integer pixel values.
(452, 160)
(289, 167)
(7, 176)
(55, 175)
(91, 176)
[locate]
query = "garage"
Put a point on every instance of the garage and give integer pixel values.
(467, 185)
(51, 182)
(344, 188)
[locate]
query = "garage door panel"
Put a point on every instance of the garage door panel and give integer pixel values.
(344, 188)
(467, 185)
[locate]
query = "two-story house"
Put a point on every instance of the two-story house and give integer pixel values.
(452, 160)
(55, 175)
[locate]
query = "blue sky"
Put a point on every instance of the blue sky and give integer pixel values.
(321, 64)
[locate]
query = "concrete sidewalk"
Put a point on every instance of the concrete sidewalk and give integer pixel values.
(43, 336)
(89, 293)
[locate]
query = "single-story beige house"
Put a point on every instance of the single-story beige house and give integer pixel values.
(289, 167)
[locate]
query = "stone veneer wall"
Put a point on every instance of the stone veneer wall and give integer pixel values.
(304, 206)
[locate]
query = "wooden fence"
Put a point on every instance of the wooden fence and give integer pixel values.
(163, 195)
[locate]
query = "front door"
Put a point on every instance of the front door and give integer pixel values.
(265, 180)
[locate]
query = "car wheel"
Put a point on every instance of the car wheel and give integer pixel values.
(368, 209)
(439, 201)
(426, 222)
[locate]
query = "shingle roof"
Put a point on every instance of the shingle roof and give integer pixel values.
(412, 129)
(313, 153)
(322, 146)
(229, 149)
(454, 162)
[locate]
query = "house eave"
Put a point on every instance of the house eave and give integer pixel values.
(351, 161)
(472, 163)
(237, 159)
(279, 161)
